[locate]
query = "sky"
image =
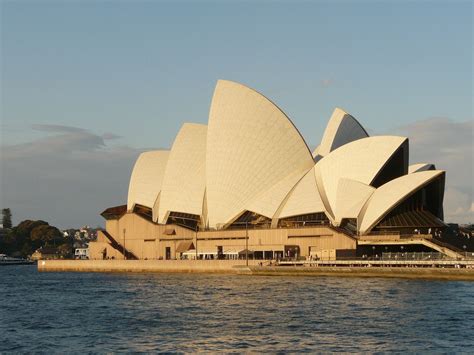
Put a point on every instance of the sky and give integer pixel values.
(86, 86)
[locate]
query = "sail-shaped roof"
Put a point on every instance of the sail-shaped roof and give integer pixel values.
(361, 160)
(185, 177)
(251, 147)
(391, 194)
(146, 179)
(341, 129)
(420, 167)
(351, 196)
(303, 199)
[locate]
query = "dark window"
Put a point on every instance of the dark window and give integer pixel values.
(395, 167)
(143, 211)
(423, 209)
(304, 220)
(186, 220)
(251, 220)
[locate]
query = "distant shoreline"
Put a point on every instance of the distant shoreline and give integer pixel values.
(239, 267)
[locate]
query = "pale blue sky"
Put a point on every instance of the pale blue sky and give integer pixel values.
(139, 69)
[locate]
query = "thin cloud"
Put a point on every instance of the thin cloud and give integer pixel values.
(449, 145)
(69, 177)
(57, 128)
(66, 178)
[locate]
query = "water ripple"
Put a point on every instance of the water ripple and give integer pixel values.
(58, 312)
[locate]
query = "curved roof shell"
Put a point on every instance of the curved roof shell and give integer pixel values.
(360, 160)
(184, 181)
(147, 177)
(414, 168)
(351, 196)
(251, 147)
(303, 199)
(341, 129)
(316, 151)
(391, 194)
(268, 202)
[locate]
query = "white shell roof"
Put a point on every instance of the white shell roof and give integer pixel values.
(420, 167)
(251, 157)
(341, 129)
(390, 195)
(360, 160)
(270, 200)
(185, 177)
(146, 179)
(303, 199)
(316, 152)
(251, 147)
(351, 196)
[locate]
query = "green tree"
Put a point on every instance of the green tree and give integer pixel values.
(6, 218)
(29, 236)
(7, 242)
(46, 235)
(65, 250)
(22, 235)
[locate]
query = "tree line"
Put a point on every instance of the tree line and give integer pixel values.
(30, 235)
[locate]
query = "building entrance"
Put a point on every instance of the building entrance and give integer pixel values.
(292, 251)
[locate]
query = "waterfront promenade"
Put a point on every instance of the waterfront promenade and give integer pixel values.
(441, 269)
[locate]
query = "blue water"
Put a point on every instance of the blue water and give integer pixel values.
(58, 312)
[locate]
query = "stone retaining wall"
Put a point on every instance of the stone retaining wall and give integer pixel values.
(239, 267)
(144, 265)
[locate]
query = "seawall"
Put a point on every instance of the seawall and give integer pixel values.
(435, 273)
(186, 266)
(254, 268)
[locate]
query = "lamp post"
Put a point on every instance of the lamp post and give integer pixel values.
(246, 244)
(196, 246)
(124, 255)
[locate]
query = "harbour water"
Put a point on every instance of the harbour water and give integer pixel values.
(99, 312)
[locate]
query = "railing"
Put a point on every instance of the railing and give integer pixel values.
(117, 246)
(306, 224)
(397, 256)
(413, 256)
(416, 236)
(372, 238)
(446, 245)
(376, 233)
(268, 226)
(400, 256)
(395, 236)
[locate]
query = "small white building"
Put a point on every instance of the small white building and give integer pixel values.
(81, 253)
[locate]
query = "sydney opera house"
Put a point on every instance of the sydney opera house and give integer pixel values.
(247, 183)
